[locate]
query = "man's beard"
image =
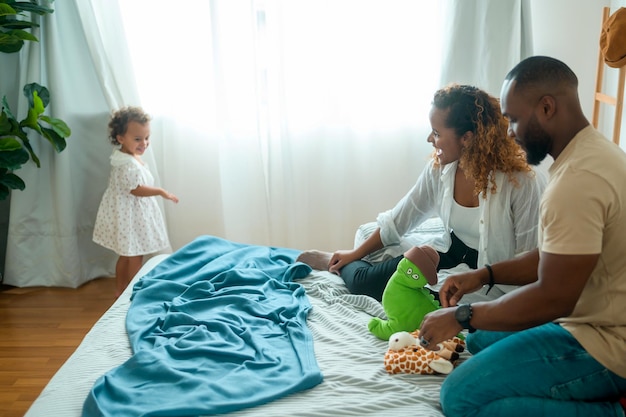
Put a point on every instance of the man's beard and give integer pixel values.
(536, 142)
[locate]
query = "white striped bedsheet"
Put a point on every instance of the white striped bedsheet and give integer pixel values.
(351, 359)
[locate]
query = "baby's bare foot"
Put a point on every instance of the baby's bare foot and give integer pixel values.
(315, 259)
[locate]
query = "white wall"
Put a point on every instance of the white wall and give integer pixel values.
(569, 30)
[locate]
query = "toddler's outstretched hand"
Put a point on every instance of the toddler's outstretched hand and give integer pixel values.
(169, 196)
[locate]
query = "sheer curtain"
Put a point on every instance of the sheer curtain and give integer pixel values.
(483, 40)
(285, 123)
(82, 58)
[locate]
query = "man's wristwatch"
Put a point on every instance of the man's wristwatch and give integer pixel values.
(463, 315)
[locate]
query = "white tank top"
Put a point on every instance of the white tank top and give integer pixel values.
(464, 222)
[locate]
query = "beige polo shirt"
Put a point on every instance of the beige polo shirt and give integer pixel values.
(583, 211)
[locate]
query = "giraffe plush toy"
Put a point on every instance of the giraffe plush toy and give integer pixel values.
(406, 300)
(406, 355)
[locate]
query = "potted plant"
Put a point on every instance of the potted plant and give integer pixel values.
(15, 147)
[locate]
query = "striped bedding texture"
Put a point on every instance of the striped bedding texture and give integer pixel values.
(355, 382)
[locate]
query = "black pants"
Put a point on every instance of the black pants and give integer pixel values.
(362, 277)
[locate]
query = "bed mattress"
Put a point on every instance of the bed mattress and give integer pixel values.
(350, 358)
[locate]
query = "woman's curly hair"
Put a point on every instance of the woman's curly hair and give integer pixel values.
(118, 124)
(472, 109)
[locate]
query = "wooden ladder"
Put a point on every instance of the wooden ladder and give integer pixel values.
(600, 97)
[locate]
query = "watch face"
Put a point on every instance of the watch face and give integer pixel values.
(462, 313)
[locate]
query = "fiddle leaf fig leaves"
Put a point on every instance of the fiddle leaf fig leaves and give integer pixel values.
(16, 18)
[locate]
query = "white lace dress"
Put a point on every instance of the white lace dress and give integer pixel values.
(127, 224)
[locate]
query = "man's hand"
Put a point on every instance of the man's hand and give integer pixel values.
(456, 286)
(438, 326)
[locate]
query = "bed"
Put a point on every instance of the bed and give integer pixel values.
(344, 376)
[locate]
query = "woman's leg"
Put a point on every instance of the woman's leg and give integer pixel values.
(316, 259)
(361, 277)
(542, 371)
(458, 253)
(364, 278)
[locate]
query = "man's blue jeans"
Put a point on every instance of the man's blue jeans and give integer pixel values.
(541, 371)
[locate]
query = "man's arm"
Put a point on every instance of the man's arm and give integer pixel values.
(520, 270)
(553, 295)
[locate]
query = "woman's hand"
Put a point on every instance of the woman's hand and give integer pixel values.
(340, 259)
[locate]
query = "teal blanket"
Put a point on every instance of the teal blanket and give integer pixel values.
(216, 327)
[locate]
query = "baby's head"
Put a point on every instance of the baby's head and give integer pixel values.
(118, 123)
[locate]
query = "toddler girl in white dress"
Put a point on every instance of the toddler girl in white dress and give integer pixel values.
(129, 220)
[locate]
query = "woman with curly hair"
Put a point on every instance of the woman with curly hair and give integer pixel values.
(478, 182)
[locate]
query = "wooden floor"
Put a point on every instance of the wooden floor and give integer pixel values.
(39, 330)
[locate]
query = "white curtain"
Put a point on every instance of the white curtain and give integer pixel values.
(483, 40)
(51, 221)
(277, 122)
(285, 123)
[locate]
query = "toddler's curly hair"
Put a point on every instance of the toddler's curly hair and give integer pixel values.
(472, 109)
(118, 124)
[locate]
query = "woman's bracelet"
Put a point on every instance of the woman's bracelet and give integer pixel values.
(491, 280)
